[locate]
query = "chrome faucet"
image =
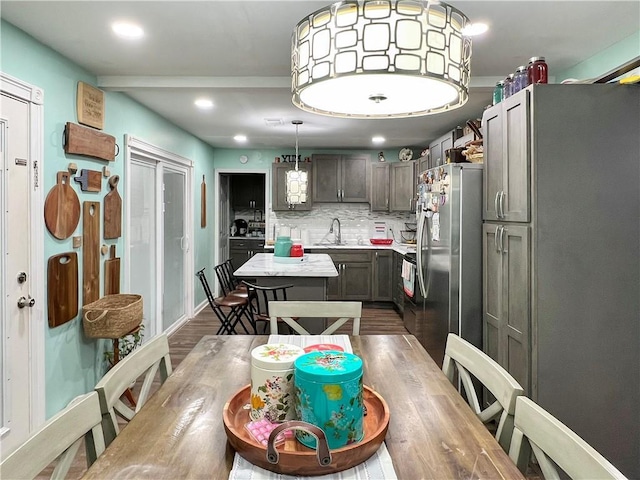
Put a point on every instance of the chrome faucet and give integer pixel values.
(337, 233)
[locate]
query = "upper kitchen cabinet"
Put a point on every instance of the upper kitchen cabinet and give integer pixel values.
(439, 146)
(340, 178)
(507, 160)
(379, 187)
(247, 191)
(279, 187)
(403, 186)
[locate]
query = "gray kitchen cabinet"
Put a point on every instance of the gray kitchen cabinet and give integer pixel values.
(380, 183)
(402, 194)
(340, 178)
(440, 145)
(506, 302)
(423, 164)
(355, 272)
(506, 177)
(247, 191)
(242, 249)
(383, 276)
(279, 187)
(561, 266)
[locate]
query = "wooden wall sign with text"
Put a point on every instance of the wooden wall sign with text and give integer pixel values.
(90, 105)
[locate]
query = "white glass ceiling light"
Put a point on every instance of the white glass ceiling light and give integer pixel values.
(381, 59)
(296, 180)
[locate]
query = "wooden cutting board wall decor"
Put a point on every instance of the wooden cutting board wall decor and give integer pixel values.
(112, 273)
(62, 208)
(62, 288)
(89, 180)
(90, 252)
(113, 210)
(90, 142)
(203, 204)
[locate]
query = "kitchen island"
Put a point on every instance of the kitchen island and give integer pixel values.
(307, 274)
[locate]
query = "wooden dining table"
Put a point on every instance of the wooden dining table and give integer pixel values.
(179, 434)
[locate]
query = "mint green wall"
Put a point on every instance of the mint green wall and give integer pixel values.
(73, 362)
(604, 61)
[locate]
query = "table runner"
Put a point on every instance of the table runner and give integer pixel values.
(378, 467)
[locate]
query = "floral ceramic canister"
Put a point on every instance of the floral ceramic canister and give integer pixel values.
(329, 394)
(272, 381)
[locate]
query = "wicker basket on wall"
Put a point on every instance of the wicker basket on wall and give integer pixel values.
(112, 316)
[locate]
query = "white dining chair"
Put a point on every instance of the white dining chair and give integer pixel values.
(288, 311)
(467, 360)
(552, 441)
(145, 360)
(59, 438)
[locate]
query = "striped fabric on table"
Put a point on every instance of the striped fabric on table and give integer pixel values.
(378, 467)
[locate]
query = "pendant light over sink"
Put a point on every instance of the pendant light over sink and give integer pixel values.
(296, 180)
(381, 59)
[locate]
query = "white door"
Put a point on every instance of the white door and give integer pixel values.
(21, 300)
(224, 218)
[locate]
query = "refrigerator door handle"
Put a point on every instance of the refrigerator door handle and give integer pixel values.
(422, 224)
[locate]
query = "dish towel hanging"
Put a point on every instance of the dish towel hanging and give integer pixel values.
(408, 277)
(378, 467)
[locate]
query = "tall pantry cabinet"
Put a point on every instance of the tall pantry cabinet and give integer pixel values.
(561, 256)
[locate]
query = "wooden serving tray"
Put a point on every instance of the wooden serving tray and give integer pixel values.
(295, 458)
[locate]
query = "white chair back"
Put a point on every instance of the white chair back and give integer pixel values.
(145, 360)
(468, 360)
(287, 311)
(59, 438)
(536, 429)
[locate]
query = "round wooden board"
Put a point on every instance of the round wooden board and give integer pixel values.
(62, 208)
(295, 458)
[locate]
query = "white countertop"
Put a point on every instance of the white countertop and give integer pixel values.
(311, 265)
(401, 248)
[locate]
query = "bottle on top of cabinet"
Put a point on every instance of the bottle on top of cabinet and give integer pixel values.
(520, 79)
(508, 86)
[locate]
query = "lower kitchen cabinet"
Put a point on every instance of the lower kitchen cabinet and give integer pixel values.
(383, 276)
(242, 249)
(355, 273)
(507, 318)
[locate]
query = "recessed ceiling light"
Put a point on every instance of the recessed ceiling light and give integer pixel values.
(377, 139)
(474, 29)
(127, 30)
(204, 103)
(240, 138)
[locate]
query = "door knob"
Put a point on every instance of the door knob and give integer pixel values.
(24, 302)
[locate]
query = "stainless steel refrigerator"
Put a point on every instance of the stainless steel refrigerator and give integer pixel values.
(448, 291)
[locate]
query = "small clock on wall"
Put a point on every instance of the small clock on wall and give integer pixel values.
(244, 159)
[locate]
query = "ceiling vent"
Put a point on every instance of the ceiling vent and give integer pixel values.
(273, 122)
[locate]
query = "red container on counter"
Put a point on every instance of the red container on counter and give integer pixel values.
(537, 71)
(296, 250)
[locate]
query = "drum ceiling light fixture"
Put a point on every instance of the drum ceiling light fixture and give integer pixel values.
(381, 59)
(296, 180)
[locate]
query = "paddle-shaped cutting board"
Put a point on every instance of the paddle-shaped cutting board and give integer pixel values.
(203, 204)
(112, 273)
(62, 288)
(89, 180)
(113, 210)
(90, 252)
(62, 208)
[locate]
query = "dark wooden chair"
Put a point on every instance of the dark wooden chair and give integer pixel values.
(235, 282)
(259, 298)
(236, 307)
